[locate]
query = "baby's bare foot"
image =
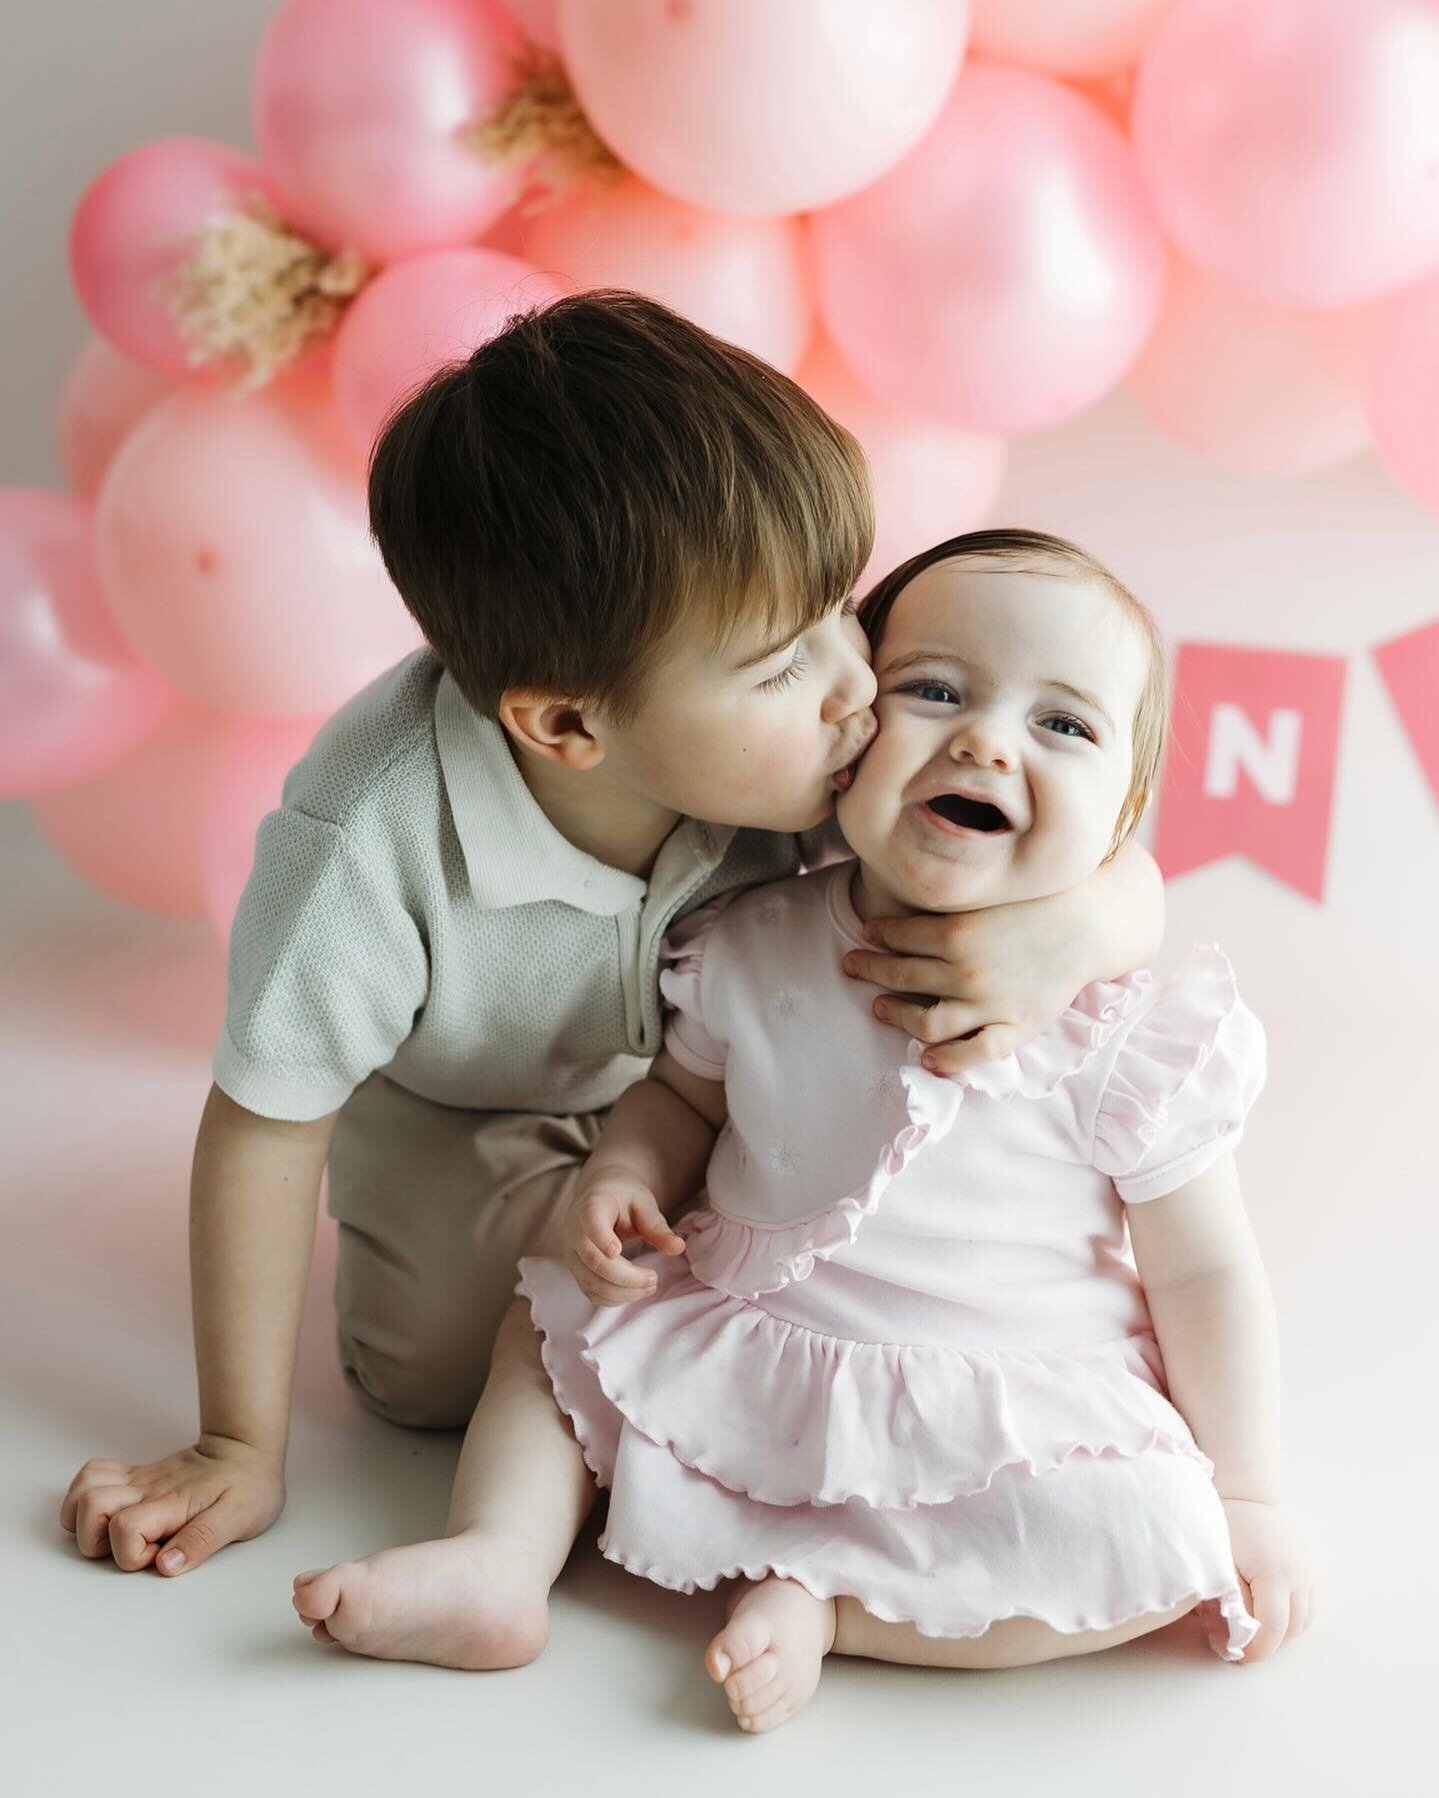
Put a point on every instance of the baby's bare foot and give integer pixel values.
(466, 1601)
(768, 1655)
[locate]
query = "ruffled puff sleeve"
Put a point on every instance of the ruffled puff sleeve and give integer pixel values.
(1189, 1067)
(682, 957)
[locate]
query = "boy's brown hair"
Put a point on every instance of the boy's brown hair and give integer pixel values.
(1036, 552)
(551, 508)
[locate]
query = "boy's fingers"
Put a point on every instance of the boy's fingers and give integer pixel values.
(199, 1539)
(923, 934)
(97, 1472)
(93, 1514)
(137, 1532)
(946, 1021)
(992, 1043)
(899, 973)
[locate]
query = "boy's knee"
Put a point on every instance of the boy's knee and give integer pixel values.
(422, 1386)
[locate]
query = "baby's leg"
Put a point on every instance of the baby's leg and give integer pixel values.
(1016, 1642)
(476, 1598)
(768, 1656)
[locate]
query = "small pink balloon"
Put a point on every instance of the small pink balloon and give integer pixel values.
(418, 316)
(930, 481)
(1007, 273)
(1402, 387)
(105, 396)
(72, 695)
(136, 830)
(755, 107)
(233, 545)
(1258, 387)
(744, 279)
(1292, 146)
(248, 783)
(360, 110)
(1074, 37)
(536, 18)
(138, 223)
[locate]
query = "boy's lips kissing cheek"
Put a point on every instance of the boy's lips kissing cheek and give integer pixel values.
(842, 779)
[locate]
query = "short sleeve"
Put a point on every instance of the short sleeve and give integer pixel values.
(682, 957)
(327, 971)
(1180, 1087)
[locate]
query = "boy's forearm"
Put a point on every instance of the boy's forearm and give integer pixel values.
(1125, 912)
(253, 1198)
(1221, 1359)
(653, 1133)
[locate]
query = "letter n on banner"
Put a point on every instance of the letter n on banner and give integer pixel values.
(1251, 761)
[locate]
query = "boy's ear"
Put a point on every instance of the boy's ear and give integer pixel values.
(554, 728)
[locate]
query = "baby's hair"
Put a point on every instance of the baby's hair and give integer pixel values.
(1036, 552)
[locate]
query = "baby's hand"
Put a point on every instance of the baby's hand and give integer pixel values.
(609, 1203)
(188, 1505)
(1274, 1571)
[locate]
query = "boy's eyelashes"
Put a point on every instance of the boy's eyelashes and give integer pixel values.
(790, 672)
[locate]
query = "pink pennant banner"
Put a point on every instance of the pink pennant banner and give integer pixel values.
(1410, 669)
(1251, 765)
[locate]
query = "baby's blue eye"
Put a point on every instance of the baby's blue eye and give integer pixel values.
(1063, 725)
(935, 692)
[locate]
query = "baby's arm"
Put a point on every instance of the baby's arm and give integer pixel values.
(1214, 1316)
(1004, 974)
(651, 1154)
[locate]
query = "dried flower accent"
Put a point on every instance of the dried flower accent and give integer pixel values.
(541, 122)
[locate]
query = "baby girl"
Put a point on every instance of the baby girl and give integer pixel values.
(964, 1373)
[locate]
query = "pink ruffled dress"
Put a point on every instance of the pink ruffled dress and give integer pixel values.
(907, 1356)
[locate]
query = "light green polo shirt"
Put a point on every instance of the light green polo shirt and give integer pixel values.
(412, 910)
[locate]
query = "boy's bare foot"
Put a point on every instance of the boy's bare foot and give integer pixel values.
(470, 1601)
(768, 1655)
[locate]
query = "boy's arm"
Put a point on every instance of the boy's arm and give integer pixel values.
(253, 1198)
(992, 979)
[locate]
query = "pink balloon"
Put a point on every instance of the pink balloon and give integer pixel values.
(360, 109)
(536, 18)
(105, 396)
(136, 829)
(745, 279)
(416, 317)
(930, 481)
(1256, 386)
(1292, 146)
(136, 225)
(232, 542)
(1072, 37)
(248, 784)
(72, 696)
(1007, 272)
(755, 106)
(1402, 387)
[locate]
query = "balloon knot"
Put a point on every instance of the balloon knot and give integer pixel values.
(256, 295)
(541, 122)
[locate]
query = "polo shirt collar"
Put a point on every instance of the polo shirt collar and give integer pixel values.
(513, 853)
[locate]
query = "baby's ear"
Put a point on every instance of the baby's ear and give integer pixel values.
(547, 725)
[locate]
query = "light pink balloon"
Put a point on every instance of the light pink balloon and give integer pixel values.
(360, 108)
(138, 222)
(418, 316)
(930, 481)
(136, 830)
(536, 18)
(1259, 387)
(1292, 146)
(745, 279)
(248, 784)
(1007, 272)
(232, 541)
(1402, 387)
(761, 106)
(1065, 37)
(105, 396)
(72, 695)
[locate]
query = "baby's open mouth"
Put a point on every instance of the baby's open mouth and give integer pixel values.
(968, 814)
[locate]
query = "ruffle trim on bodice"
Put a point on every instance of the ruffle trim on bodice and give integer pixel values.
(789, 1416)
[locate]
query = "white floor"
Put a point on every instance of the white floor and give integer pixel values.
(127, 1684)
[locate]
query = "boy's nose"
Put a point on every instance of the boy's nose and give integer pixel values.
(852, 692)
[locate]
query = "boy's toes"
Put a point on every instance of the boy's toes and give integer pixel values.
(318, 1596)
(742, 1641)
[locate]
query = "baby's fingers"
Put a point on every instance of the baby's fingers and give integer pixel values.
(650, 1224)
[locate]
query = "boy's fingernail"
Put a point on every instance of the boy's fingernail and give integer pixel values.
(851, 963)
(881, 1011)
(172, 1558)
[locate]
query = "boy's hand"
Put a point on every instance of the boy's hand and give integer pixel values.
(1274, 1573)
(189, 1504)
(976, 985)
(610, 1205)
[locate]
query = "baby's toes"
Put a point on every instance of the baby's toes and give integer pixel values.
(317, 1595)
(751, 1681)
(741, 1642)
(768, 1719)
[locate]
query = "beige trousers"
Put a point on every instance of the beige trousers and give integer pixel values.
(435, 1206)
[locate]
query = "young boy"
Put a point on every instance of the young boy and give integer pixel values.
(631, 549)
